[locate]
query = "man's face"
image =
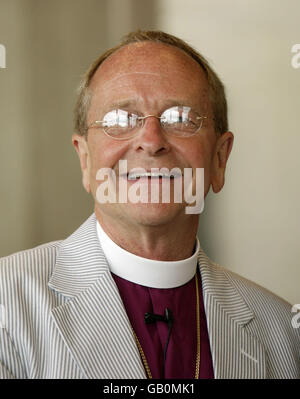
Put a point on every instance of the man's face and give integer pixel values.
(146, 79)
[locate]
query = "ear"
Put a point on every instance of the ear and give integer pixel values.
(81, 147)
(221, 154)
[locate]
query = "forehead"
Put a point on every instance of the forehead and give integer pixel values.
(147, 69)
(157, 57)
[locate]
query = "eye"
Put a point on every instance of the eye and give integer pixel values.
(180, 118)
(119, 118)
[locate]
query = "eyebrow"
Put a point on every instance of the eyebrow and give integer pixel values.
(132, 102)
(123, 103)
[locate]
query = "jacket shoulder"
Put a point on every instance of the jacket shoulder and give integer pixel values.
(270, 311)
(246, 288)
(37, 259)
(267, 307)
(250, 289)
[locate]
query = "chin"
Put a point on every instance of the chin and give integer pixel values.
(154, 214)
(143, 214)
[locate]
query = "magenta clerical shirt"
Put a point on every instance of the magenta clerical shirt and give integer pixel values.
(182, 347)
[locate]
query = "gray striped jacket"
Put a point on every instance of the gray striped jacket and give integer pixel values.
(62, 317)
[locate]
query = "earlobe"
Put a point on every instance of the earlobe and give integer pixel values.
(81, 147)
(220, 158)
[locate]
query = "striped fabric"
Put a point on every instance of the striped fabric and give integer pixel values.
(62, 317)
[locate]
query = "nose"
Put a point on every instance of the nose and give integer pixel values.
(151, 138)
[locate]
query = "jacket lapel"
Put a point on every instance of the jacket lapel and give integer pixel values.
(93, 322)
(236, 353)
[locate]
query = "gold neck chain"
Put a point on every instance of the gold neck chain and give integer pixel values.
(142, 354)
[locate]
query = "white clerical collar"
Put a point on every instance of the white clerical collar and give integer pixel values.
(147, 272)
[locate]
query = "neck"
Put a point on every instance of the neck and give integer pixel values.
(167, 242)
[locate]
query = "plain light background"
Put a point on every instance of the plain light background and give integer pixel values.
(252, 226)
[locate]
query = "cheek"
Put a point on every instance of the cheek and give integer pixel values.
(198, 153)
(105, 152)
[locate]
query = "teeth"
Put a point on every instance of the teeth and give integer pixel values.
(133, 176)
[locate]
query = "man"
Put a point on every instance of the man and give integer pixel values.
(131, 294)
